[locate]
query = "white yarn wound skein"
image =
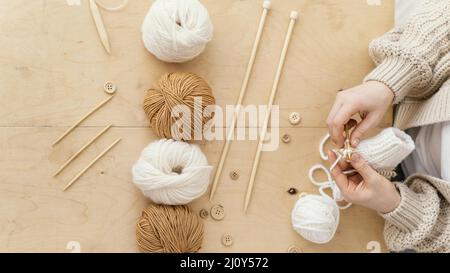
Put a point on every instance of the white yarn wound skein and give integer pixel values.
(172, 172)
(177, 31)
(315, 218)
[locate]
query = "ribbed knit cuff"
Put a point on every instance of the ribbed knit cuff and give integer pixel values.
(409, 214)
(398, 74)
(386, 150)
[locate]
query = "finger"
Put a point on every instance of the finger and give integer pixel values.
(339, 177)
(363, 168)
(344, 165)
(341, 118)
(356, 178)
(365, 125)
(336, 106)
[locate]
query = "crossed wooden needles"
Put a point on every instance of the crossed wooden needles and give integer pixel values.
(84, 147)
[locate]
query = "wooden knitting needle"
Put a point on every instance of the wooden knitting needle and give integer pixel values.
(92, 163)
(294, 17)
(81, 120)
(81, 150)
(266, 7)
(100, 26)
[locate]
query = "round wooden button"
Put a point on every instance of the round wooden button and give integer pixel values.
(217, 212)
(286, 138)
(294, 249)
(295, 118)
(227, 240)
(234, 175)
(110, 87)
(204, 213)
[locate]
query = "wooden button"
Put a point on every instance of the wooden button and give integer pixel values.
(294, 249)
(110, 87)
(204, 213)
(292, 191)
(217, 212)
(227, 240)
(295, 118)
(234, 175)
(286, 138)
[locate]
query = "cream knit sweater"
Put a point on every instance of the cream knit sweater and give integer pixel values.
(414, 61)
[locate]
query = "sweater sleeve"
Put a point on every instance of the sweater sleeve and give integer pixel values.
(422, 220)
(413, 59)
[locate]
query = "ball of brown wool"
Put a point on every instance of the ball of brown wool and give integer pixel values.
(169, 229)
(178, 89)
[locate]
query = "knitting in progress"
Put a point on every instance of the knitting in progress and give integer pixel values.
(169, 229)
(383, 152)
(316, 217)
(177, 31)
(172, 172)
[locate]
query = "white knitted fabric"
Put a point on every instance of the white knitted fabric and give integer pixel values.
(387, 149)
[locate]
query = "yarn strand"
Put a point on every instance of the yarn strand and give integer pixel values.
(121, 6)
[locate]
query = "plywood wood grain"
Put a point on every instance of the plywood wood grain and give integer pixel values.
(52, 71)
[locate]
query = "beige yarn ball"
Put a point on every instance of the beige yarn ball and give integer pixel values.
(169, 229)
(179, 90)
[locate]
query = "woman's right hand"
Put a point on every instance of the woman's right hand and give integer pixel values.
(371, 100)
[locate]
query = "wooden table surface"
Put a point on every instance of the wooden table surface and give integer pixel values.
(52, 71)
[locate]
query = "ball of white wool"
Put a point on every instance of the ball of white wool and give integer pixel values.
(172, 172)
(315, 218)
(177, 31)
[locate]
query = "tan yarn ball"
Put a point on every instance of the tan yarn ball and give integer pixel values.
(169, 229)
(174, 89)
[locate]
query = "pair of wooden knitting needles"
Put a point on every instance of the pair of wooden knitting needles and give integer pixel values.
(90, 142)
(266, 8)
(293, 18)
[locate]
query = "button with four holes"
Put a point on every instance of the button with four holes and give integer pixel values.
(227, 240)
(217, 212)
(110, 87)
(234, 175)
(204, 213)
(295, 118)
(286, 138)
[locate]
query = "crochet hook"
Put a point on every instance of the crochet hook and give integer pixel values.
(293, 19)
(100, 26)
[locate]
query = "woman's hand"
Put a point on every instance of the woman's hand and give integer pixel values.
(371, 100)
(367, 188)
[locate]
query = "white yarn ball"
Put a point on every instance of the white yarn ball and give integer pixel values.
(172, 172)
(177, 30)
(315, 218)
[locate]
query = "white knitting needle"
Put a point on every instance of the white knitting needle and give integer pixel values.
(294, 17)
(266, 7)
(92, 163)
(72, 158)
(82, 119)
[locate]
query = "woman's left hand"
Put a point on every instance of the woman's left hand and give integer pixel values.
(366, 188)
